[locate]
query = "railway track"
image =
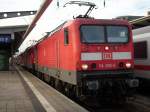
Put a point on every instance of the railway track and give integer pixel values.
(142, 103)
(139, 104)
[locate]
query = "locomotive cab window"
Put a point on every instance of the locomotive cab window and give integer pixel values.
(92, 34)
(140, 50)
(104, 34)
(66, 36)
(117, 34)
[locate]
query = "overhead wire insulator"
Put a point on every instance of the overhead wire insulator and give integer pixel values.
(104, 3)
(58, 3)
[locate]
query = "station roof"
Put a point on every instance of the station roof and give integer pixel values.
(141, 22)
(9, 22)
(128, 17)
(43, 7)
(16, 22)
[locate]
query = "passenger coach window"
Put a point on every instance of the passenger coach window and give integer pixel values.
(140, 50)
(92, 34)
(117, 34)
(66, 37)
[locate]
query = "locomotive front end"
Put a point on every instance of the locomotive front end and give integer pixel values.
(106, 59)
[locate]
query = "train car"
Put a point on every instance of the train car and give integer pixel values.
(30, 58)
(87, 57)
(27, 58)
(21, 59)
(142, 54)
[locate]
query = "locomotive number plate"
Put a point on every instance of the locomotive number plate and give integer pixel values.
(107, 56)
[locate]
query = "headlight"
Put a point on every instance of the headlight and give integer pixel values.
(106, 48)
(128, 65)
(84, 66)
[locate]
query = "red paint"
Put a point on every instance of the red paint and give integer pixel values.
(53, 53)
(142, 67)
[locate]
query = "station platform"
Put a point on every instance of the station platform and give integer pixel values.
(14, 95)
(20, 91)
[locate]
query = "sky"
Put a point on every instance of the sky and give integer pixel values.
(54, 16)
(112, 9)
(116, 8)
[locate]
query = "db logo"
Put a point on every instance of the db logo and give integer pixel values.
(107, 56)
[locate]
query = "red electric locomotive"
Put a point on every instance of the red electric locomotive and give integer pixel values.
(87, 57)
